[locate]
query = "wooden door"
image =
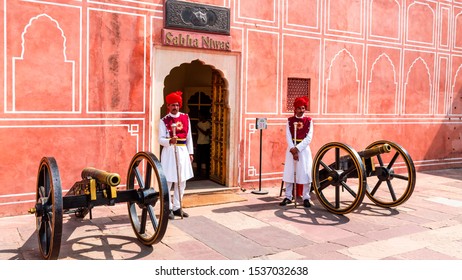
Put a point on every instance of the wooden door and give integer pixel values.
(220, 124)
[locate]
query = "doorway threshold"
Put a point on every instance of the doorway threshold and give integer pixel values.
(204, 186)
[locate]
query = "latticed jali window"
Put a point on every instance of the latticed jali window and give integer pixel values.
(297, 87)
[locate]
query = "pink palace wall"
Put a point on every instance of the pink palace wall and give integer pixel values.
(379, 69)
(77, 83)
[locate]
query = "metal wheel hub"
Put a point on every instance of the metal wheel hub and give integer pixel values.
(385, 174)
(336, 177)
(147, 197)
(38, 210)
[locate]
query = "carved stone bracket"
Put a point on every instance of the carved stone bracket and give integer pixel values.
(199, 17)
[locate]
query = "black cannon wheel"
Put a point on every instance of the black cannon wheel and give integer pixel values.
(392, 179)
(338, 178)
(149, 218)
(49, 209)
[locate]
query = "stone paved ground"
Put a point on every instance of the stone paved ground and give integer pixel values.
(427, 227)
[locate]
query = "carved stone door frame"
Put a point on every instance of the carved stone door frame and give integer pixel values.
(228, 65)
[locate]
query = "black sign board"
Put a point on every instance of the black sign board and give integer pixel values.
(197, 17)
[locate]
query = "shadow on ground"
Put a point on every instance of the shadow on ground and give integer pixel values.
(85, 239)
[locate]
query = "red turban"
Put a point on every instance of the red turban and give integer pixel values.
(301, 101)
(174, 97)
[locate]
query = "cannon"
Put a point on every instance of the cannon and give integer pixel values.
(384, 172)
(146, 195)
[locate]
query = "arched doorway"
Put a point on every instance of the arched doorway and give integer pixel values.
(204, 91)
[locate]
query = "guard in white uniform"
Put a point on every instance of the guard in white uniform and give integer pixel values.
(175, 128)
(299, 132)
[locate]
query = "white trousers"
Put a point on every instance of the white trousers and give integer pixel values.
(290, 187)
(176, 196)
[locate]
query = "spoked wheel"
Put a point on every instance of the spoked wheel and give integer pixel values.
(392, 178)
(49, 209)
(339, 178)
(148, 215)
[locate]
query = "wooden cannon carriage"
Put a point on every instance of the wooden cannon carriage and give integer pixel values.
(384, 172)
(146, 195)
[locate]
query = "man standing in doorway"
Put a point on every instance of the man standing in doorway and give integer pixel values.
(175, 137)
(203, 144)
(298, 163)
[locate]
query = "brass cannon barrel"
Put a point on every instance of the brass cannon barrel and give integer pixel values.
(110, 179)
(368, 153)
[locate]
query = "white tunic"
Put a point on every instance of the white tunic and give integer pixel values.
(305, 161)
(167, 157)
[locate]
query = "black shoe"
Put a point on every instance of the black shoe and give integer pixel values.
(178, 213)
(285, 202)
(171, 216)
(306, 203)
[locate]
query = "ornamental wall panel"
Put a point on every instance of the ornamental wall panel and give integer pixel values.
(442, 94)
(343, 76)
(272, 149)
(421, 23)
(261, 12)
(75, 145)
(262, 56)
(345, 17)
(117, 48)
(383, 80)
(418, 83)
(385, 20)
(445, 30)
(301, 59)
(457, 29)
(57, 84)
(303, 15)
(456, 87)
(42, 58)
